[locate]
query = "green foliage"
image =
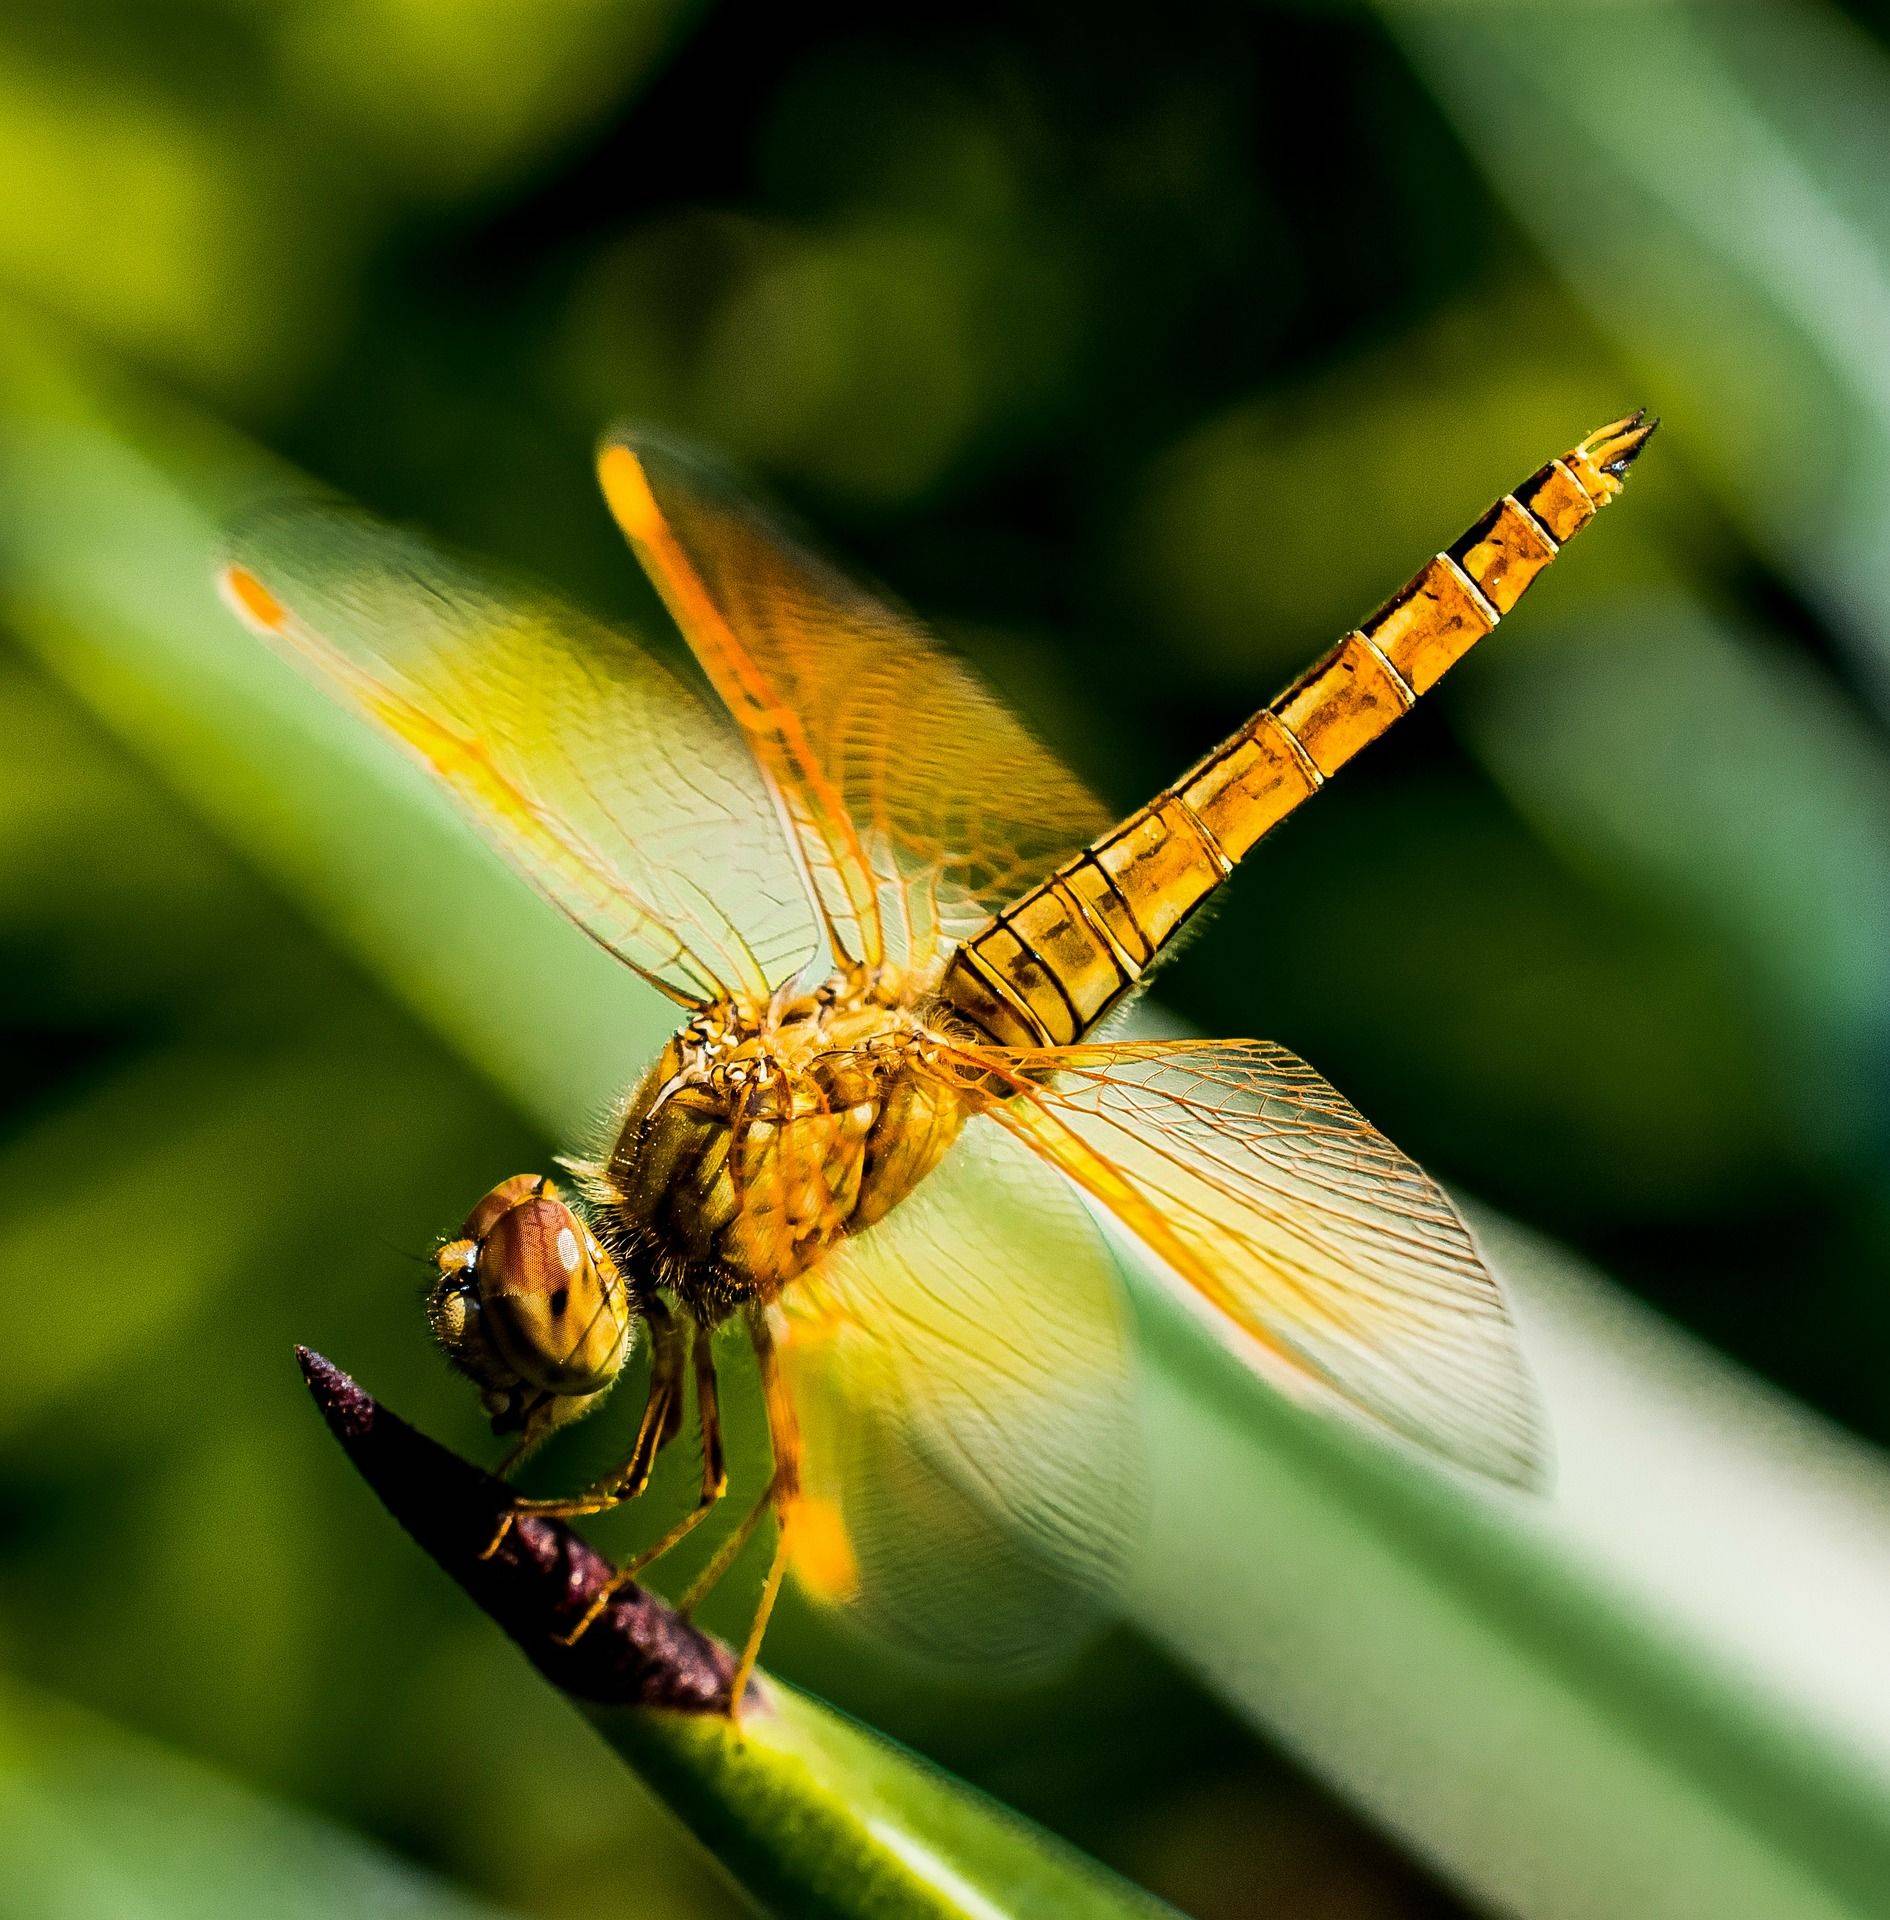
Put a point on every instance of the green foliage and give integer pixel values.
(811, 1813)
(94, 1821)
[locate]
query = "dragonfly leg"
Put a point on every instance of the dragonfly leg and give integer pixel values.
(714, 1485)
(662, 1417)
(779, 1497)
(725, 1555)
(662, 1411)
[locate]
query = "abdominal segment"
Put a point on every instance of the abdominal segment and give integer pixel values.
(1052, 964)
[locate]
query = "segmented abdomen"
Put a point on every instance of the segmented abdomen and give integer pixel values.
(1047, 968)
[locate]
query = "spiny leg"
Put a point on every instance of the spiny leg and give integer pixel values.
(726, 1554)
(662, 1410)
(714, 1464)
(662, 1413)
(714, 1485)
(654, 1430)
(780, 1496)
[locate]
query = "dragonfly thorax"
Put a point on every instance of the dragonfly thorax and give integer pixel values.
(760, 1138)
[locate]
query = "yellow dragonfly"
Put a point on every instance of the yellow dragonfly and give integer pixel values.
(892, 924)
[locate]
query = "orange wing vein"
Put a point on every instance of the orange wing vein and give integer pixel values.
(971, 1464)
(1296, 1221)
(919, 803)
(623, 796)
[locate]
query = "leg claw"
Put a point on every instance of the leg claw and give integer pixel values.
(591, 1615)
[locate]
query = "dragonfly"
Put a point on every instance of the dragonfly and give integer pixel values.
(888, 1129)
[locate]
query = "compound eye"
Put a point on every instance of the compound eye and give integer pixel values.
(500, 1201)
(551, 1298)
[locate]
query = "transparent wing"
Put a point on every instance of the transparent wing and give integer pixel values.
(972, 1461)
(605, 780)
(1306, 1230)
(920, 803)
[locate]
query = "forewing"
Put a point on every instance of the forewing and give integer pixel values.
(972, 1473)
(1339, 1259)
(921, 804)
(605, 780)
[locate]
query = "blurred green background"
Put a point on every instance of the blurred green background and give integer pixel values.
(1144, 351)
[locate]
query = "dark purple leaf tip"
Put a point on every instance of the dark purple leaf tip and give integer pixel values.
(639, 1652)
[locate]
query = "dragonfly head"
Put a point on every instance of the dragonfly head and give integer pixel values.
(531, 1307)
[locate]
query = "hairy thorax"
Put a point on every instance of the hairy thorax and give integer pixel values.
(763, 1136)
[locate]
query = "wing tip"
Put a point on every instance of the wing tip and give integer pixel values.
(823, 1557)
(252, 602)
(1511, 1448)
(1526, 1465)
(627, 491)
